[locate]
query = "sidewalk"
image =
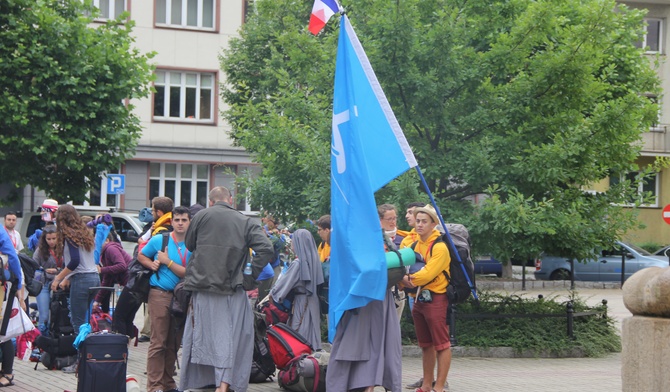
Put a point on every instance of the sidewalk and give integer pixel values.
(466, 374)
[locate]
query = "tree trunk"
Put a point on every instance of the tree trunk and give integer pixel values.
(507, 272)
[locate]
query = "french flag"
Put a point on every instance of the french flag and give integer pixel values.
(321, 12)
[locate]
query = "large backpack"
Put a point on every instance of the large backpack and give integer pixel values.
(286, 344)
(306, 373)
(458, 290)
(56, 348)
(262, 365)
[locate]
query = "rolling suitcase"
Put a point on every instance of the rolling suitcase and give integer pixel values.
(103, 361)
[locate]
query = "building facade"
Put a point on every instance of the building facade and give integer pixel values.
(184, 149)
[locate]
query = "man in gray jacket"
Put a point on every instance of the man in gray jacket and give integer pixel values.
(218, 337)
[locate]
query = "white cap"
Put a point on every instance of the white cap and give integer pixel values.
(50, 204)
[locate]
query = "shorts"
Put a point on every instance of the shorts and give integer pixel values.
(430, 322)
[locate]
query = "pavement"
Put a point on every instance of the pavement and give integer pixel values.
(466, 374)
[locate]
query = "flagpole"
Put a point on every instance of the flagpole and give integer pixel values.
(444, 226)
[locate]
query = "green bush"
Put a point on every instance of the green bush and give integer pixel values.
(650, 246)
(595, 335)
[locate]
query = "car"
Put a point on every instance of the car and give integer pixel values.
(126, 223)
(664, 251)
(605, 266)
(487, 265)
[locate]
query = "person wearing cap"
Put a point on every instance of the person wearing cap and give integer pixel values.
(430, 308)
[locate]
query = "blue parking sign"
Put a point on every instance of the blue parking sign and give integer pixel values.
(116, 184)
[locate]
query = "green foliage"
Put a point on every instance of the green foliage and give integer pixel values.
(63, 86)
(596, 335)
(650, 246)
(528, 102)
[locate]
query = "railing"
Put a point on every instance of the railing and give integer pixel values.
(569, 314)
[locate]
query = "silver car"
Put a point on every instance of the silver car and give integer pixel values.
(604, 267)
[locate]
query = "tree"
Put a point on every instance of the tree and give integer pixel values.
(527, 101)
(64, 87)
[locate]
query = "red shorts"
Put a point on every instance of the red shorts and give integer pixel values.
(430, 322)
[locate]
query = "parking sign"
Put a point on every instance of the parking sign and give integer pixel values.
(116, 184)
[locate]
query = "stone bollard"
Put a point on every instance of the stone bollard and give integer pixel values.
(646, 335)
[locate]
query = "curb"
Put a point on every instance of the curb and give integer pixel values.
(544, 284)
(496, 352)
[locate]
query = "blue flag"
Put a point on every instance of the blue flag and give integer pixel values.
(368, 150)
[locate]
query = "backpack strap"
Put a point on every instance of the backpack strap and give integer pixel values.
(166, 237)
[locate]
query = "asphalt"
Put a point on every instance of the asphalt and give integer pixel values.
(467, 374)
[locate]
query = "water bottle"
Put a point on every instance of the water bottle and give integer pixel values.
(247, 269)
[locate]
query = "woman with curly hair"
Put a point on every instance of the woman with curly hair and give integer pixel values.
(75, 245)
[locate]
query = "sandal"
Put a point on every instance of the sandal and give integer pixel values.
(10, 381)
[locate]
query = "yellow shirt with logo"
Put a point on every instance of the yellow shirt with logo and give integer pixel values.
(431, 277)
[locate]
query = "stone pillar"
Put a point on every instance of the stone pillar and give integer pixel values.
(646, 336)
(645, 354)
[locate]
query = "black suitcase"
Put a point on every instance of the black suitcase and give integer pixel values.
(103, 360)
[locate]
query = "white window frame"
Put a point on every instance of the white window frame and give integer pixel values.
(103, 194)
(661, 27)
(111, 8)
(178, 179)
(166, 20)
(640, 189)
(167, 84)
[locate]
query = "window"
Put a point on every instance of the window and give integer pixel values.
(651, 40)
(647, 186)
(184, 96)
(654, 99)
(97, 196)
(189, 14)
(185, 183)
(110, 9)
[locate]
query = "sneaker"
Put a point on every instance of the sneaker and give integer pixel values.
(70, 369)
(415, 385)
(143, 339)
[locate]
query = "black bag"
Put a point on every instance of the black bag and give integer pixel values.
(56, 363)
(458, 290)
(181, 299)
(262, 365)
(103, 361)
(57, 348)
(139, 276)
(29, 266)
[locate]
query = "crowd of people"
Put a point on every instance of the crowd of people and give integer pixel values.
(208, 249)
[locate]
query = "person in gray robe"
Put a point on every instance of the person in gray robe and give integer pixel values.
(300, 280)
(218, 338)
(367, 350)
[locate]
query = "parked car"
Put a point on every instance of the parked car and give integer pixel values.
(664, 251)
(487, 265)
(126, 223)
(605, 266)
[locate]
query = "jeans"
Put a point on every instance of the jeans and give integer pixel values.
(80, 300)
(43, 305)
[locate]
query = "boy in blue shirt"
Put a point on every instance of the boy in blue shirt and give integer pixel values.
(169, 265)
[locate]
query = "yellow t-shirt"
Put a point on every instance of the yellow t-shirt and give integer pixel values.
(324, 251)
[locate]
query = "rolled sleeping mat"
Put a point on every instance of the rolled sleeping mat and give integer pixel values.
(407, 254)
